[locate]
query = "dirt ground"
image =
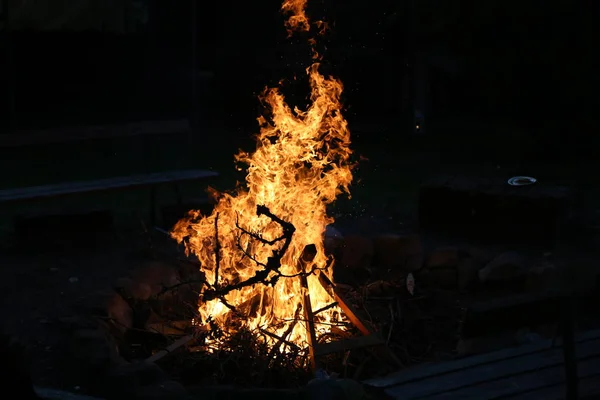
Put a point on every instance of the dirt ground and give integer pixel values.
(39, 289)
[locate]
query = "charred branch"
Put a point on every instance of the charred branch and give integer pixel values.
(270, 272)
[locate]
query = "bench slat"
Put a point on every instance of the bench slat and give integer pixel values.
(516, 385)
(35, 192)
(434, 370)
(470, 380)
(556, 391)
(67, 134)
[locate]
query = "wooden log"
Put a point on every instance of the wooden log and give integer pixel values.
(308, 256)
(346, 308)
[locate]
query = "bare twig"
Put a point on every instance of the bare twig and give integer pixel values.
(273, 263)
(281, 339)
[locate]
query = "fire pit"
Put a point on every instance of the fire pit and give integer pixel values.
(262, 248)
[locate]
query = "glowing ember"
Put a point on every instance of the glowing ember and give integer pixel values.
(300, 165)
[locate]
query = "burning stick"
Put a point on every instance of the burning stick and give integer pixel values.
(327, 307)
(368, 340)
(290, 328)
(308, 255)
(217, 251)
(283, 338)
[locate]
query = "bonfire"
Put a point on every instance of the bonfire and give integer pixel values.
(261, 250)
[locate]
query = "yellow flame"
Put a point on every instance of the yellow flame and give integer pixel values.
(301, 164)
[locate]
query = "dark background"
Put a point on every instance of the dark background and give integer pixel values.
(506, 87)
(528, 65)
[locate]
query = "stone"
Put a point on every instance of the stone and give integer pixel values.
(190, 272)
(157, 275)
(483, 254)
(441, 278)
(110, 304)
(403, 252)
(130, 289)
(94, 349)
(381, 289)
(74, 323)
(507, 266)
(175, 302)
(443, 257)
(357, 252)
(467, 270)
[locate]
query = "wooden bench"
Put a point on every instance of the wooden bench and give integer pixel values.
(151, 180)
(60, 135)
(529, 372)
(515, 372)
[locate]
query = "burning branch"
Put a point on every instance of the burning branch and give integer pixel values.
(273, 263)
(217, 250)
(283, 339)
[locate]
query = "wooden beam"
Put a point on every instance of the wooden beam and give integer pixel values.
(381, 350)
(346, 308)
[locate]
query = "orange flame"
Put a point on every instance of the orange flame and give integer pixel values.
(297, 21)
(301, 164)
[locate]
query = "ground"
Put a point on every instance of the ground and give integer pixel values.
(37, 288)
